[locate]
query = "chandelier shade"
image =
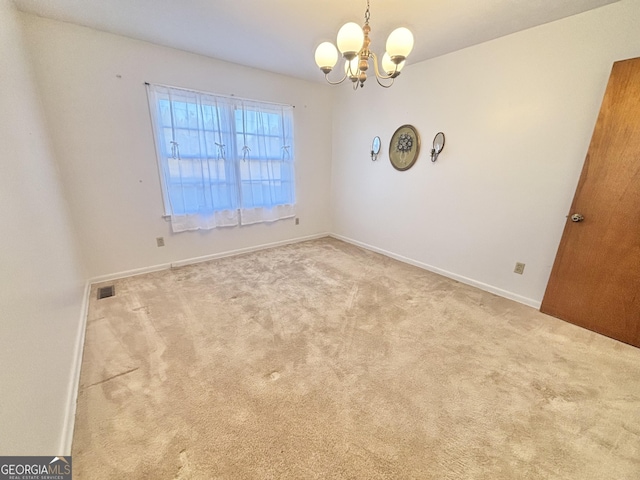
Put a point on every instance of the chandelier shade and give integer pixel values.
(400, 43)
(350, 38)
(351, 69)
(326, 56)
(389, 67)
(353, 43)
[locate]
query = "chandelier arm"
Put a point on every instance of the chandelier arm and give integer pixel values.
(326, 77)
(377, 70)
(382, 84)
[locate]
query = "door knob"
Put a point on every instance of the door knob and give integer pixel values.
(576, 217)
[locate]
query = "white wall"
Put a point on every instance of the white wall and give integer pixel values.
(41, 281)
(518, 113)
(92, 86)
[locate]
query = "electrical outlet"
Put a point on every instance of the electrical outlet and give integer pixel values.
(297, 221)
(160, 241)
(519, 268)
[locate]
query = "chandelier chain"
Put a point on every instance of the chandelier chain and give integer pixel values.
(367, 15)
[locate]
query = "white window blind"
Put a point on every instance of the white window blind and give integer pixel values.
(223, 161)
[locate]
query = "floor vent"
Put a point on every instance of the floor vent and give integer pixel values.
(106, 292)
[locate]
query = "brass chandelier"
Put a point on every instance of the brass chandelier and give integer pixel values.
(353, 42)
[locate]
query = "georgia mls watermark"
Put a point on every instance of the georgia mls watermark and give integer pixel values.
(35, 468)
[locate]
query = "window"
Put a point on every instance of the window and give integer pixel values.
(223, 161)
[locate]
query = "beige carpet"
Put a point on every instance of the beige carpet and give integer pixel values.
(323, 360)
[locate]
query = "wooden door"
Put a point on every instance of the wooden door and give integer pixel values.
(595, 280)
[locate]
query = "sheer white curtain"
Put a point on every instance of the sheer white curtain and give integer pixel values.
(222, 160)
(264, 136)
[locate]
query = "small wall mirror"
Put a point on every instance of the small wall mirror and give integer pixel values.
(375, 148)
(438, 145)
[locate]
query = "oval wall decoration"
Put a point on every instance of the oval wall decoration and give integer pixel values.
(404, 147)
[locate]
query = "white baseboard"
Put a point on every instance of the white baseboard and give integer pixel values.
(74, 380)
(241, 251)
(129, 273)
(205, 258)
(468, 281)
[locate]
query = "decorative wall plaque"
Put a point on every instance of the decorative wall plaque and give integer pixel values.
(404, 147)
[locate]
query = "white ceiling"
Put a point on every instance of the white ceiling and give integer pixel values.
(281, 35)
